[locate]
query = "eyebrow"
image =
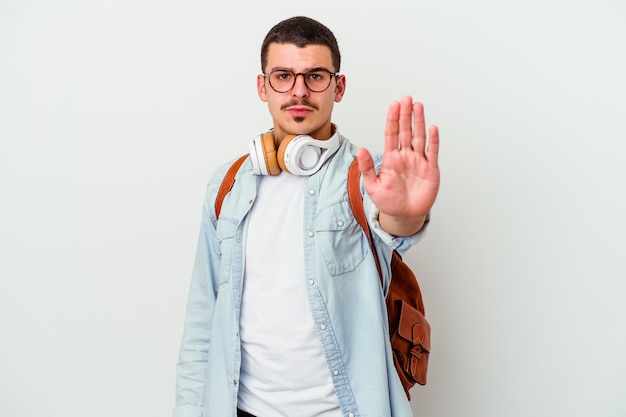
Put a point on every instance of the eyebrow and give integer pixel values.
(306, 70)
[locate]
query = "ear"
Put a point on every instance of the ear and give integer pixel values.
(340, 89)
(260, 87)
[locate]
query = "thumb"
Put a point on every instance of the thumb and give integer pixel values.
(366, 165)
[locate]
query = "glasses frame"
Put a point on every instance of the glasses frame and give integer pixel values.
(304, 74)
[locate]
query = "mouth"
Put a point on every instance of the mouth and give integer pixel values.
(299, 108)
(299, 111)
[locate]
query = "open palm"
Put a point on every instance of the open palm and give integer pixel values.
(406, 186)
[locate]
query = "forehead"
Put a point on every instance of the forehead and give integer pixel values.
(288, 55)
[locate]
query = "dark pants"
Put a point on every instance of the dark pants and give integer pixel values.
(241, 413)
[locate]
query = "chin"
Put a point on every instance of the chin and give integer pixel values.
(300, 128)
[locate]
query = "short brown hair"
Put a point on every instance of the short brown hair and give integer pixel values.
(301, 31)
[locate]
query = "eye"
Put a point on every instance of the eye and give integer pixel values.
(317, 75)
(282, 75)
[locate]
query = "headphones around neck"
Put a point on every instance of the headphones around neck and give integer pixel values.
(296, 154)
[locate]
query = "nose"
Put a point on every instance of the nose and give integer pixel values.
(299, 87)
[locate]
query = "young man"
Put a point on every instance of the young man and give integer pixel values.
(286, 315)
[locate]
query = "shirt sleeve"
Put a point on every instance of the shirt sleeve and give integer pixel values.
(191, 369)
(399, 243)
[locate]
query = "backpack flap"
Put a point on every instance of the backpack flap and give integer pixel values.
(410, 340)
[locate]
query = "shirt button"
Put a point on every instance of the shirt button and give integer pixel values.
(351, 415)
(335, 373)
(323, 327)
(311, 191)
(311, 234)
(340, 223)
(311, 282)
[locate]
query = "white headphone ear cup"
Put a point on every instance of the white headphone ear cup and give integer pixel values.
(307, 157)
(304, 155)
(257, 168)
(263, 155)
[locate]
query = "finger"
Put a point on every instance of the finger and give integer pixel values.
(406, 116)
(392, 128)
(366, 165)
(433, 146)
(419, 128)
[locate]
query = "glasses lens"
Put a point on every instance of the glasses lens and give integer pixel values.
(316, 80)
(282, 81)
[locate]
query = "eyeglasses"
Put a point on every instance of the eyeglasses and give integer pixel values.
(317, 79)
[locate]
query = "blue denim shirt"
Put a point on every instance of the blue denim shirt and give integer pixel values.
(343, 288)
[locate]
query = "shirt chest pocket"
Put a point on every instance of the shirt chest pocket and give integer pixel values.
(340, 239)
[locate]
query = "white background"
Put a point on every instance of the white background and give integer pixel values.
(114, 114)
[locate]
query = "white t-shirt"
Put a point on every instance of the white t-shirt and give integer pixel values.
(283, 369)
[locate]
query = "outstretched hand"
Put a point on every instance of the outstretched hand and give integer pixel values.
(406, 186)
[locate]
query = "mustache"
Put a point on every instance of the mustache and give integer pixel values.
(303, 102)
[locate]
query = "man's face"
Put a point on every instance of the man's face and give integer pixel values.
(300, 111)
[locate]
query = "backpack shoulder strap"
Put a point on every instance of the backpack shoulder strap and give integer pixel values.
(227, 184)
(356, 204)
